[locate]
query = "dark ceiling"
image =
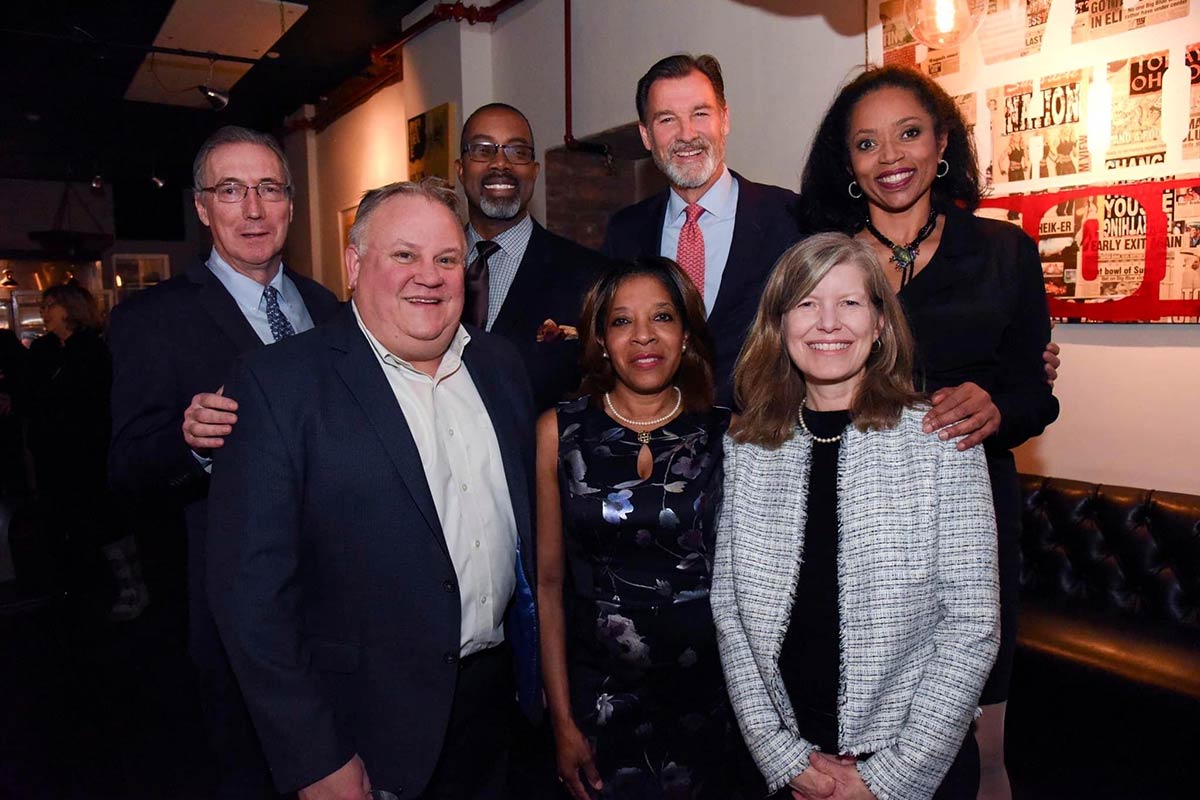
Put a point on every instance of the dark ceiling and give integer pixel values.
(62, 112)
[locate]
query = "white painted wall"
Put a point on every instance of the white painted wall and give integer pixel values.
(777, 56)
(362, 150)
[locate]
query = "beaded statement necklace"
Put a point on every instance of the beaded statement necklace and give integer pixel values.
(644, 436)
(905, 256)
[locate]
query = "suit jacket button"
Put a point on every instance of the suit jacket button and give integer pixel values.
(451, 658)
(448, 586)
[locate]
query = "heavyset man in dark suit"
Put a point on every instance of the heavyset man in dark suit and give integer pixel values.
(742, 227)
(531, 283)
(173, 347)
(370, 549)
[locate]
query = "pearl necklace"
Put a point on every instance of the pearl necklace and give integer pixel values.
(643, 436)
(815, 438)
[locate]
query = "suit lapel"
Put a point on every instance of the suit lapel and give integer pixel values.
(317, 304)
(743, 249)
(359, 369)
(487, 381)
(525, 287)
(650, 237)
(220, 305)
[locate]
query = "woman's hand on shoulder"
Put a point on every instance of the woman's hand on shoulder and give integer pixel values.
(847, 783)
(965, 410)
(574, 755)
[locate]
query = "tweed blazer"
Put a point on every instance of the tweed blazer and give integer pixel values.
(917, 594)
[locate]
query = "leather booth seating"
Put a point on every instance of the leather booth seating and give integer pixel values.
(1110, 581)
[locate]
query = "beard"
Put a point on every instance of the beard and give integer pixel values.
(499, 209)
(504, 208)
(689, 176)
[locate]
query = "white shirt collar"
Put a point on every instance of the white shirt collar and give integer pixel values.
(245, 290)
(451, 359)
(718, 201)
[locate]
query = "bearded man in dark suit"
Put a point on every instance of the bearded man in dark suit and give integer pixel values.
(371, 541)
(523, 282)
(173, 346)
(726, 232)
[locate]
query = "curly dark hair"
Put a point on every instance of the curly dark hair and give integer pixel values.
(826, 205)
(695, 374)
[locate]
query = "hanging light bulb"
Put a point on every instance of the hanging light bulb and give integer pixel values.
(939, 24)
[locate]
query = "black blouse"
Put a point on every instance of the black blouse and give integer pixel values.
(978, 312)
(810, 659)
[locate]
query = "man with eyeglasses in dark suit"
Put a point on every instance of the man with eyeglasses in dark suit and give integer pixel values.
(523, 282)
(173, 347)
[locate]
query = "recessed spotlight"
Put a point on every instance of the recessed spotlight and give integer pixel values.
(272, 54)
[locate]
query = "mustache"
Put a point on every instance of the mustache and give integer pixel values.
(500, 175)
(699, 143)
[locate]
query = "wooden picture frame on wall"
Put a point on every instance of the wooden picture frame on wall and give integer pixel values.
(345, 221)
(429, 136)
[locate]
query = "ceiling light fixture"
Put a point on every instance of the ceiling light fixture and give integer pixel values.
(157, 181)
(217, 99)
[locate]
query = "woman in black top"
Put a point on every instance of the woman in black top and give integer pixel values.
(893, 164)
(70, 377)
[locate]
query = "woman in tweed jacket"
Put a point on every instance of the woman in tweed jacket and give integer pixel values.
(854, 589)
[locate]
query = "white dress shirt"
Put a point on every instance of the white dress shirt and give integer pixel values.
(503, 264)
(465, 472)
(716, 223)
(249, 296)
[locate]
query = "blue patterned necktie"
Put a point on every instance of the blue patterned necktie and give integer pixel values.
(280, 327)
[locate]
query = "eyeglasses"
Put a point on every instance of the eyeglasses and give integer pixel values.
(233, 192)
(518, 154)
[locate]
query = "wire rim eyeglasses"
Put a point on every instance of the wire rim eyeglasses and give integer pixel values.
(232, 192)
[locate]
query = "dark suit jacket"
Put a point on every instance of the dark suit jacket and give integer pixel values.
(169, 343)
(553, 277)
(764, 226)
(329, 574)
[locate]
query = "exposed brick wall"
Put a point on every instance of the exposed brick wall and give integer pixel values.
(585, 188)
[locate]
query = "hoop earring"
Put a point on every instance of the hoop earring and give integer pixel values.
(943, 168)
(877, 346)
(850, 190)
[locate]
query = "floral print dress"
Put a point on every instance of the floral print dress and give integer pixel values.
(645, 676)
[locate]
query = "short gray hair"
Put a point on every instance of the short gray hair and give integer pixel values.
(435, 190)
(235, 134)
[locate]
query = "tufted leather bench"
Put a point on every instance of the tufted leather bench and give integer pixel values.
(1110, 581)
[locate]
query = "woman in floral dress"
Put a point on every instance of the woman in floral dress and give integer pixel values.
(627, 481)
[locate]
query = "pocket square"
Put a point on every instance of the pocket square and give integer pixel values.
(551, 331)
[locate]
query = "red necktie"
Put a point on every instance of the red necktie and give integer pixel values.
(690, 254)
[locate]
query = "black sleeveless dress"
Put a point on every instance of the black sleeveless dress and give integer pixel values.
(645, 676)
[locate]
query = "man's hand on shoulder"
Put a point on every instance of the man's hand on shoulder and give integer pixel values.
(207, 419)
(350, 782)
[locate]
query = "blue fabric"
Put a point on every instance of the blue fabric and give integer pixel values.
(280, 327)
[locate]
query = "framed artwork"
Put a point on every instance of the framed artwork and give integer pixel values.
(345, 222)
(429, 144)
(139, 270)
